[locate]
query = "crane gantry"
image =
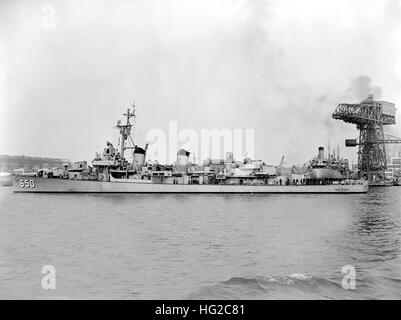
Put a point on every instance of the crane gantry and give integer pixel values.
(370, 117)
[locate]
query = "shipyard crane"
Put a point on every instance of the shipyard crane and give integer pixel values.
(369, 116)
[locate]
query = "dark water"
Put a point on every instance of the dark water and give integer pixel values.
(201, 246)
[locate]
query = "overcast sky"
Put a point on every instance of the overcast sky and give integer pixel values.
(69, 68)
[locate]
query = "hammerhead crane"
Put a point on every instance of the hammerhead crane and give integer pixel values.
(370, 117)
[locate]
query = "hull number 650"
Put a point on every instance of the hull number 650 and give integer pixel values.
(26, 183)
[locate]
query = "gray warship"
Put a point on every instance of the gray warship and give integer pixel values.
(111, 172)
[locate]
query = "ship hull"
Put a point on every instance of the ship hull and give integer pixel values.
(44, 185)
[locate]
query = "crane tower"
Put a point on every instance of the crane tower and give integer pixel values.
(370, 117)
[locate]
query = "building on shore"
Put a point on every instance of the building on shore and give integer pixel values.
(9, 163)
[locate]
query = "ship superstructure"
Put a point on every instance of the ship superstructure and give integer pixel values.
(328, 169)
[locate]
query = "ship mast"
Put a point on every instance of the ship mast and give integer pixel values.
(125, 130)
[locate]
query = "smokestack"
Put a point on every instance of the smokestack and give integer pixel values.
(321, 153)
(139, 158)
(182, 160)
